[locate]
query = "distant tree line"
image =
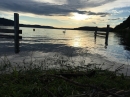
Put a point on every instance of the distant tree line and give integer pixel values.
(124, 25)
(6, 22)
(123, 30)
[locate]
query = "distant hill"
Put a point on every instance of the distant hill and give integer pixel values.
(35, 26)
(7, 22)
(86, 28)
(123, 30)
(93, 28)
(124, 25)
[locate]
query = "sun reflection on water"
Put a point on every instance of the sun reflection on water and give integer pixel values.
(81, 41)
(76, 42)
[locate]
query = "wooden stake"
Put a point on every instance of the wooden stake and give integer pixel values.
(16, 30)
(95, 34)
(107, 34)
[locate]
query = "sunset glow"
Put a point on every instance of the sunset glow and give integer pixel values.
(77, 16)
(67, 13)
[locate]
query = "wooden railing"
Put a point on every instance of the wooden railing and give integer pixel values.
(106, 34)
(13, 33)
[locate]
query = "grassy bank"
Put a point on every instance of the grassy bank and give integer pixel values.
(87, 81)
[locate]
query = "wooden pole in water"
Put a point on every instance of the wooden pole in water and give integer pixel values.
(95, 34)
(107, 34)
(16, 32)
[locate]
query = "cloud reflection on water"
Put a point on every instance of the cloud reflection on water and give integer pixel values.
(72, 43)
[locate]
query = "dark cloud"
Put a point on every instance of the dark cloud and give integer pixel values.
(117, 19)
(41, 8)
(87, 3)
(94, 22)
(100, 13)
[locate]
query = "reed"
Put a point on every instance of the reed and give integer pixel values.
(36, 79)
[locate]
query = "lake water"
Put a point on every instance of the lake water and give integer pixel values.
(79, 45)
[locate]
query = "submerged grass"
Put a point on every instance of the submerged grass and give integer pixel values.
(40, 81)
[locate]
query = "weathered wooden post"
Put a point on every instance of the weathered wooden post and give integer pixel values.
(16, 32)
(107, 34)
(95, 34)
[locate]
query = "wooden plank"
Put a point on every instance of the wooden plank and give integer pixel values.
(101, 33)
(9, 31)
(9, 36)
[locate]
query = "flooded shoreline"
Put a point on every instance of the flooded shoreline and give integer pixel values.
(77, 45)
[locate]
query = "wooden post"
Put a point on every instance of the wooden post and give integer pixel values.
(95, 34)
(107, 34)
(16, 32)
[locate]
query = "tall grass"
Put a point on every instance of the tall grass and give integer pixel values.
(41, 79)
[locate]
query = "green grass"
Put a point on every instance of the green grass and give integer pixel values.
(33, 83)
(36, 81)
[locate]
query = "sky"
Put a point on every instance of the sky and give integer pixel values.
(67, 13)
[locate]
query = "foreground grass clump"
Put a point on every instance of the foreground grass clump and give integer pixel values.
(63, 83)
(40, 79)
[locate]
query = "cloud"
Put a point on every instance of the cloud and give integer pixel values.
(115, 19)
(120, 10)
(94, 22)
(118, 18)
(40, 7)
(99, 13)
(87, 3)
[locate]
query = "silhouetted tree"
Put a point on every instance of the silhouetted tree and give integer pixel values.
(123, 25)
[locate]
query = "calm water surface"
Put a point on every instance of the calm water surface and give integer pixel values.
(73, 43)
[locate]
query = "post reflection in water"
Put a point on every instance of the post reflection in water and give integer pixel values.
(105, 45)
(53, 40)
